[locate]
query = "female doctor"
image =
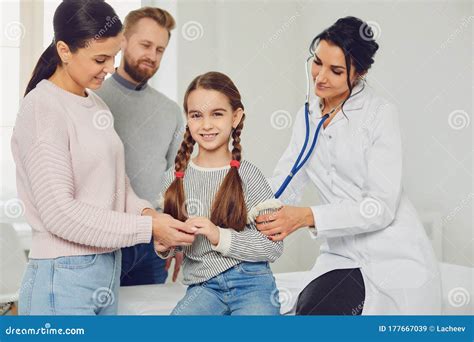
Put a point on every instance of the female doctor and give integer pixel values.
(375, 257)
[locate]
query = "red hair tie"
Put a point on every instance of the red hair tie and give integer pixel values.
(235, 163)
(179, 174)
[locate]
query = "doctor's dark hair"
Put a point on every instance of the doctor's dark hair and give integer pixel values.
(356, 39)
(75, 23)
(228, 208)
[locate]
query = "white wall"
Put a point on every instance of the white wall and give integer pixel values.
(165, 80)
(12, 35)
(424, 65)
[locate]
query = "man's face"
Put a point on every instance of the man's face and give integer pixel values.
(143, 49)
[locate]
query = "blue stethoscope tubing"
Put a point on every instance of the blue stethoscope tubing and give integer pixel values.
(300, 163)
(297, 166)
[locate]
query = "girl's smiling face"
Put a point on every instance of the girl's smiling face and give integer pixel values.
(211, 119)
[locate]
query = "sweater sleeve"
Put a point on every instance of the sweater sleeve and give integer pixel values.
(166, 255)
(169, 253)
(250, 244)
(133, 203)
(41, 144)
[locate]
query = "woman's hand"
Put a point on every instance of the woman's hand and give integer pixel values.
(168, 232)
(279, 224)
(159, 247)
(205, 227)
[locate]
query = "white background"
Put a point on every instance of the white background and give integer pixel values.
(424, 66)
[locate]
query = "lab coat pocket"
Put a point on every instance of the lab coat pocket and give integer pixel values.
(395, 263)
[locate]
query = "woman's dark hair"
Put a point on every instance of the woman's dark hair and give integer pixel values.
(75, 22)
(356, 39)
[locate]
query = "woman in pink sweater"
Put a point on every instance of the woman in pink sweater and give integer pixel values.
(71, 173)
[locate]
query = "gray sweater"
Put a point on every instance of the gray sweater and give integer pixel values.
(151, 128)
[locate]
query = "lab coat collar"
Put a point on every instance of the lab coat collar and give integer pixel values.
(356, 101)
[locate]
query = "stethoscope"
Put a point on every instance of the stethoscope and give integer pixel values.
(300, 163)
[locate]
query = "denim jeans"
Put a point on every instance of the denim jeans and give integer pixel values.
(245, 289)
(71, 285)
(141, 266)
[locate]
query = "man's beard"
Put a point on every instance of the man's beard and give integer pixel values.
(137, 74)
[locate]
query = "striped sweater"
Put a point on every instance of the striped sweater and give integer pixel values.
(204, 261)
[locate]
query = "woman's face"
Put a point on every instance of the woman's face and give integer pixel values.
(210, 119)
(329, 71)
(88, 66)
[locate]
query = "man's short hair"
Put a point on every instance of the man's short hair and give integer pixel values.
(160, 16)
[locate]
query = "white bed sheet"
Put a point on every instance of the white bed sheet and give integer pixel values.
(457, 285)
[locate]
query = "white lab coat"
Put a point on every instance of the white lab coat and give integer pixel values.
(366, 221)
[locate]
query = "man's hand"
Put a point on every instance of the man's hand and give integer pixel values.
(178, 260)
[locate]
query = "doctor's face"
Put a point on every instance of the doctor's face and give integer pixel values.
(329, 71)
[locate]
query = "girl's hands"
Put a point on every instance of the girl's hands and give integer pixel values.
(202, 225)
(205, 227)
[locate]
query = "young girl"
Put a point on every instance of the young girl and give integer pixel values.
(219, 195)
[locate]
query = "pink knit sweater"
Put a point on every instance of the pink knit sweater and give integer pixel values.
(71, 176)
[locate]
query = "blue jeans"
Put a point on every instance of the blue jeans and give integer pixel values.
(141, 266)
(71, 285)
(245, 289)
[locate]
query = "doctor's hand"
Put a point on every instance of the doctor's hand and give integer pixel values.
(279, 224)
(178, 260)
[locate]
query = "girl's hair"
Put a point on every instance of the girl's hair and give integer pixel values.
(228, 208)
(356, 39)
(75, 23)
